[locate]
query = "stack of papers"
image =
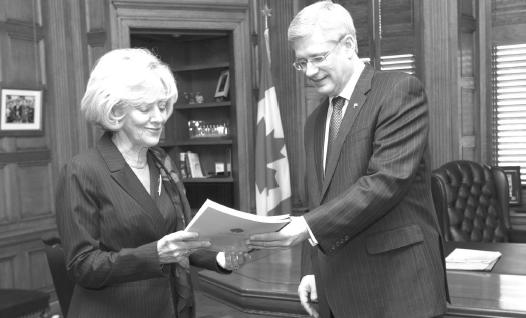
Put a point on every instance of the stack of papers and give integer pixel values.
(472, 260)
(228, 229)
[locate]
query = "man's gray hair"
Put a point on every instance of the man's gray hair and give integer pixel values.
(331, 18)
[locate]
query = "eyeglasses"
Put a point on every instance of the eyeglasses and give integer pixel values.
(301, 64)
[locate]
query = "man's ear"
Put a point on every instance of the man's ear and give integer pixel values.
(348, 44)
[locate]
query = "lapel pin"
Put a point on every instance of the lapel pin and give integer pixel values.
(355, 105)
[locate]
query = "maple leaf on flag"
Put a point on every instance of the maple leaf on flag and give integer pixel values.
(271, 151)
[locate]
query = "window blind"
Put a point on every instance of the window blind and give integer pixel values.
(401, 62)
(509, 106)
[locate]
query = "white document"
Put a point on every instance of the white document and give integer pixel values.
(474, 260)
(228, 229)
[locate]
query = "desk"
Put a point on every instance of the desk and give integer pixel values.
(23, 303)
(499, 293)
(268, 286)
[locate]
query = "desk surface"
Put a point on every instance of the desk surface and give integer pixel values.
(270, 283)
(513, 260)
(499, 293)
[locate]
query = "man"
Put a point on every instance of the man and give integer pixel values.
(376, 247)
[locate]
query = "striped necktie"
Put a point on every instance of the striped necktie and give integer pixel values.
(334, 125)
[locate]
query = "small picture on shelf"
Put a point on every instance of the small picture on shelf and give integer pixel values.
(223, 84)
(513, 174)
(194, 165)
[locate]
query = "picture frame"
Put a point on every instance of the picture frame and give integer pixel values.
(513, 174)
(223, 84)
(21, 112)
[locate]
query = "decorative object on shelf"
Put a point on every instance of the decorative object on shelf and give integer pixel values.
(186, 97)
(203, 129)
(513, 174)
(199, 98)
(194, 165)
(223, 85)
(182, 165)
(192, 98)
(21, 112)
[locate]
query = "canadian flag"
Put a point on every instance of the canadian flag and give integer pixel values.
(273, 195)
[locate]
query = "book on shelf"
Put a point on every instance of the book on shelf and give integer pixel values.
(228, 229)
(472, 260)
(182, 165)
(193, 165)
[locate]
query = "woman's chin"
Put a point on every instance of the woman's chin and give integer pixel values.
(152, 141)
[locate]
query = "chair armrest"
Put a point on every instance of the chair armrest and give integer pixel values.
(517, 236)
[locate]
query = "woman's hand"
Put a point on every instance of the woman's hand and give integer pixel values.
(232, 260)
(175, 247)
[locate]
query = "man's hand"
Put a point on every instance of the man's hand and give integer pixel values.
(293, 233)
(308, 294)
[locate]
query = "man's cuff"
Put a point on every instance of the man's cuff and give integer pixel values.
(312, 239)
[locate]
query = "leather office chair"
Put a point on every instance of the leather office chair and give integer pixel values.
(63, 284)
(471, 201)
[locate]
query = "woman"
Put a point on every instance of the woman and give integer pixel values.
(121, 207)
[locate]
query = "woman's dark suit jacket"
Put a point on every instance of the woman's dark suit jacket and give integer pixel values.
(109, 227)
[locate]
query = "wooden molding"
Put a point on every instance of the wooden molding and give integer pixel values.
(22, 30)
(23, 157)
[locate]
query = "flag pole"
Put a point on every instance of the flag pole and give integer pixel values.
(267, 12)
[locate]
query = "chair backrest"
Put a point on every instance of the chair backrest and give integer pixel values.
(471, 201)
(63, 284)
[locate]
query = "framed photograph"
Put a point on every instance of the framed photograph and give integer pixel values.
(223, 84)
(513, 174)
(21, 112)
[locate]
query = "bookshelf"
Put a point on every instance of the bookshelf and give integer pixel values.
(202, 122)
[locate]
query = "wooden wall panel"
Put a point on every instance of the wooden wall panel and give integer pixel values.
(12, 211)
(439, 47)
(36, 180)
(7, 270)
(98, 42)
(21, 10)
(26, 173)
(509, 12)
(40, 276)
(32, 143)
(4, 212)
(96, 15)
(508, 21)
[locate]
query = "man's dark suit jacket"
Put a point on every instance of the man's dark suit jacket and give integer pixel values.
(379, 252)
(109, 227)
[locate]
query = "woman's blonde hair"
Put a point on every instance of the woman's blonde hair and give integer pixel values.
(125, 78)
